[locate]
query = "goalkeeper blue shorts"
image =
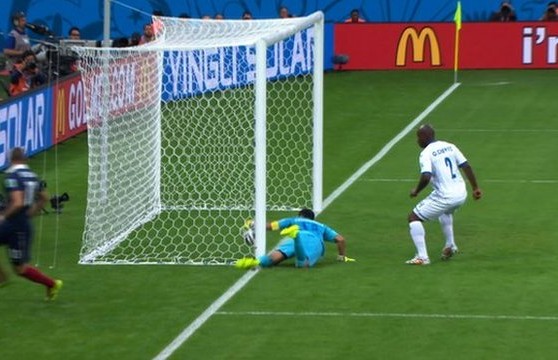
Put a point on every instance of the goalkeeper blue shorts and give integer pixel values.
(309, 248)
(287, 247)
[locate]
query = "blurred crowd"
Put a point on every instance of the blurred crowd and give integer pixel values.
(506, 12)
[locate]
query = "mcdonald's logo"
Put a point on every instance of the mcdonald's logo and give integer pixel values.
(418, 42)
(61, 112)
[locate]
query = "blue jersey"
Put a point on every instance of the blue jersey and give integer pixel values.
(318, 229)
(16, 230)
(20, 178)
(306, 241)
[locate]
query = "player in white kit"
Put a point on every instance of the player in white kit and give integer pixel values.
(440, 164)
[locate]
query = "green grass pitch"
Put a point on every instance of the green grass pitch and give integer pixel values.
(494, 300)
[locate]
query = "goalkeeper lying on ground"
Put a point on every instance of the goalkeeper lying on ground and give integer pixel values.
(304, 240)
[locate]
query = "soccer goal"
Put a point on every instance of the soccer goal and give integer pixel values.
(212, 123)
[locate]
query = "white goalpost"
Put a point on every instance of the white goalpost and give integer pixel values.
(212, 123)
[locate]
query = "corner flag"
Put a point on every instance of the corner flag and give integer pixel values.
(457, 16)
(457, 19)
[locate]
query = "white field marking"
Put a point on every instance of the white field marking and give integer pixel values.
(501, 130)
(212, 309)
(364, 168)
(511, 181)
(390, 315)
(497, 83)
(217, 304)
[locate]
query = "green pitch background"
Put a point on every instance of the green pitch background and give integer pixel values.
(496, 300)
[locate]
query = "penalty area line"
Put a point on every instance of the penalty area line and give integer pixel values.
(390, 315)
(217, 304)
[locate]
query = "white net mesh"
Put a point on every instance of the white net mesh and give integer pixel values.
(171, 140)
(177, 33)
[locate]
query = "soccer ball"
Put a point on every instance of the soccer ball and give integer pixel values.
(249, 237)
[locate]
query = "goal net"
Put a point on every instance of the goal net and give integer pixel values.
(212, 123)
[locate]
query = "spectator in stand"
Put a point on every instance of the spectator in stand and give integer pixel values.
(184, 16)
(17, 41)
(206, 17)
(25, 74)
(355, 17)
(550, 13)
(39, 78)
(74, 33)
(135, 39)
(247, 15)
(284, 12)
(219, 16)
(18, 78)
(121, 42)
(148, 34)
(505, 14)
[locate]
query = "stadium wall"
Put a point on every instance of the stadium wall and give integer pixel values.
(525, 45)
(60, 15)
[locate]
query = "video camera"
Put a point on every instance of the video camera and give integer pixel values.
(56, 202)
(39, 29)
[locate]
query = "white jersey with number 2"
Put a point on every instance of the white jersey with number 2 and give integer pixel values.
(442, 159)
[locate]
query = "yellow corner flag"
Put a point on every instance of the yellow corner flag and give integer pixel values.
(457, 16)
(457, 19)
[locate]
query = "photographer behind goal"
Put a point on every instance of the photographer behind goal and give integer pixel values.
(25, 74)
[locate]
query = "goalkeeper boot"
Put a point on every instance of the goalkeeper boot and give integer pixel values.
(246, 263)
(52, 292)
(418, 261)
(448, 252)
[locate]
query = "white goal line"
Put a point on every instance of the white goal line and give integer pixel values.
(389, 315)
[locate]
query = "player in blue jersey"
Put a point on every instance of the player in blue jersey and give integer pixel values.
(304, 240)
(25, 198)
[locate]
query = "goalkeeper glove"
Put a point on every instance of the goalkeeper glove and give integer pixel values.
(343, 258)
(249, 224)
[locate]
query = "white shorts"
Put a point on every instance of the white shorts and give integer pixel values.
(433, 206)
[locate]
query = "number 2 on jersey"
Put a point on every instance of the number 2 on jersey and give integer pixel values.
(450, 165)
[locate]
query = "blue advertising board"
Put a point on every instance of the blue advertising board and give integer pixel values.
(189, 73)
(26, 121)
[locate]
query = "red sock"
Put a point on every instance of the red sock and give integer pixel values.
(35, 275)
